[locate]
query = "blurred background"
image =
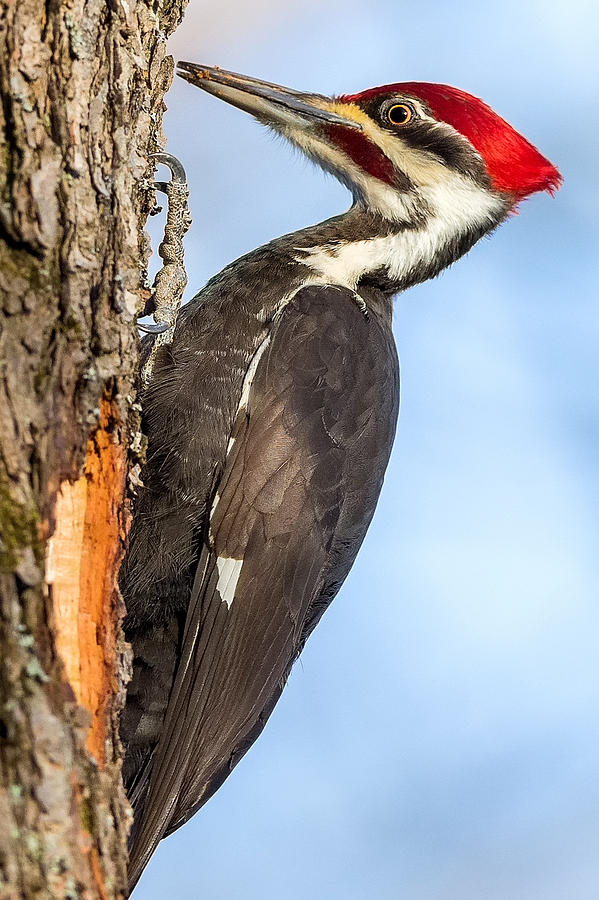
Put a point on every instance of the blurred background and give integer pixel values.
(439, 738)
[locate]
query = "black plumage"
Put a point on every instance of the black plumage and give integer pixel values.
(296, 494)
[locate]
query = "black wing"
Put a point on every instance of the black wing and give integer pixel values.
(306, 462)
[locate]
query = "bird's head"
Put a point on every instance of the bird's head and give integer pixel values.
(404, 150)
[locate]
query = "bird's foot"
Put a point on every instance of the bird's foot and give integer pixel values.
(170, 281)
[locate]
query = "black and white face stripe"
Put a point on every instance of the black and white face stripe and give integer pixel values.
(425, 133)
(439, 204)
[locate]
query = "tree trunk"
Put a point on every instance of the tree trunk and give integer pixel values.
(82, 85)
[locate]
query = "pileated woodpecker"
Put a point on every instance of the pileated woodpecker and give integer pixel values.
(270, 420)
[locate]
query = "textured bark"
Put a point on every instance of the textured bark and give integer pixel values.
(81, 89)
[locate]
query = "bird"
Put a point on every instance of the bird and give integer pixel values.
(271, 416)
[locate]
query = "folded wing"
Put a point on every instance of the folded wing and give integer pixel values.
(304, 468)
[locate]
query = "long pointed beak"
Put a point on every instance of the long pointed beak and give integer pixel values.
(271, 103)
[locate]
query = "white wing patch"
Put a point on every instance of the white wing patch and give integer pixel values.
(249, 375)
(242, 406)
(228, 576)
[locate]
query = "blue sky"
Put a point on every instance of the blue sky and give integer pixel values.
(438, 739)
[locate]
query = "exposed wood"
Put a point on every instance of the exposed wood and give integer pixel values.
(81, 91)
(82, 563)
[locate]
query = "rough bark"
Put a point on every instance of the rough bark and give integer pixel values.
(81, 89)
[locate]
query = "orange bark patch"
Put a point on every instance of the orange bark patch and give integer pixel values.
(83, 555)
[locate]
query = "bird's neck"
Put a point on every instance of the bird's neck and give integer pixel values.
(364, 248)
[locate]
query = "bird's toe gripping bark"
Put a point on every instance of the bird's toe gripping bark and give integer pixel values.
(171, 280)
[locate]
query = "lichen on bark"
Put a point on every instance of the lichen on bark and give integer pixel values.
(81, 87)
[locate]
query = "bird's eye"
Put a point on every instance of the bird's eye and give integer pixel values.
(399, 114)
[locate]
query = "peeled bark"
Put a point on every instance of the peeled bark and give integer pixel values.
(82, 86)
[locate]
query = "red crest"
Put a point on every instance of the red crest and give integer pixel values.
(514, 164)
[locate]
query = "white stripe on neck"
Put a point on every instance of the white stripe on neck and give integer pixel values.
(456, 204)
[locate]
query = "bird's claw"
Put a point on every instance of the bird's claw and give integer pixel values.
(150, 328)
(171, 280)
(175, 165)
